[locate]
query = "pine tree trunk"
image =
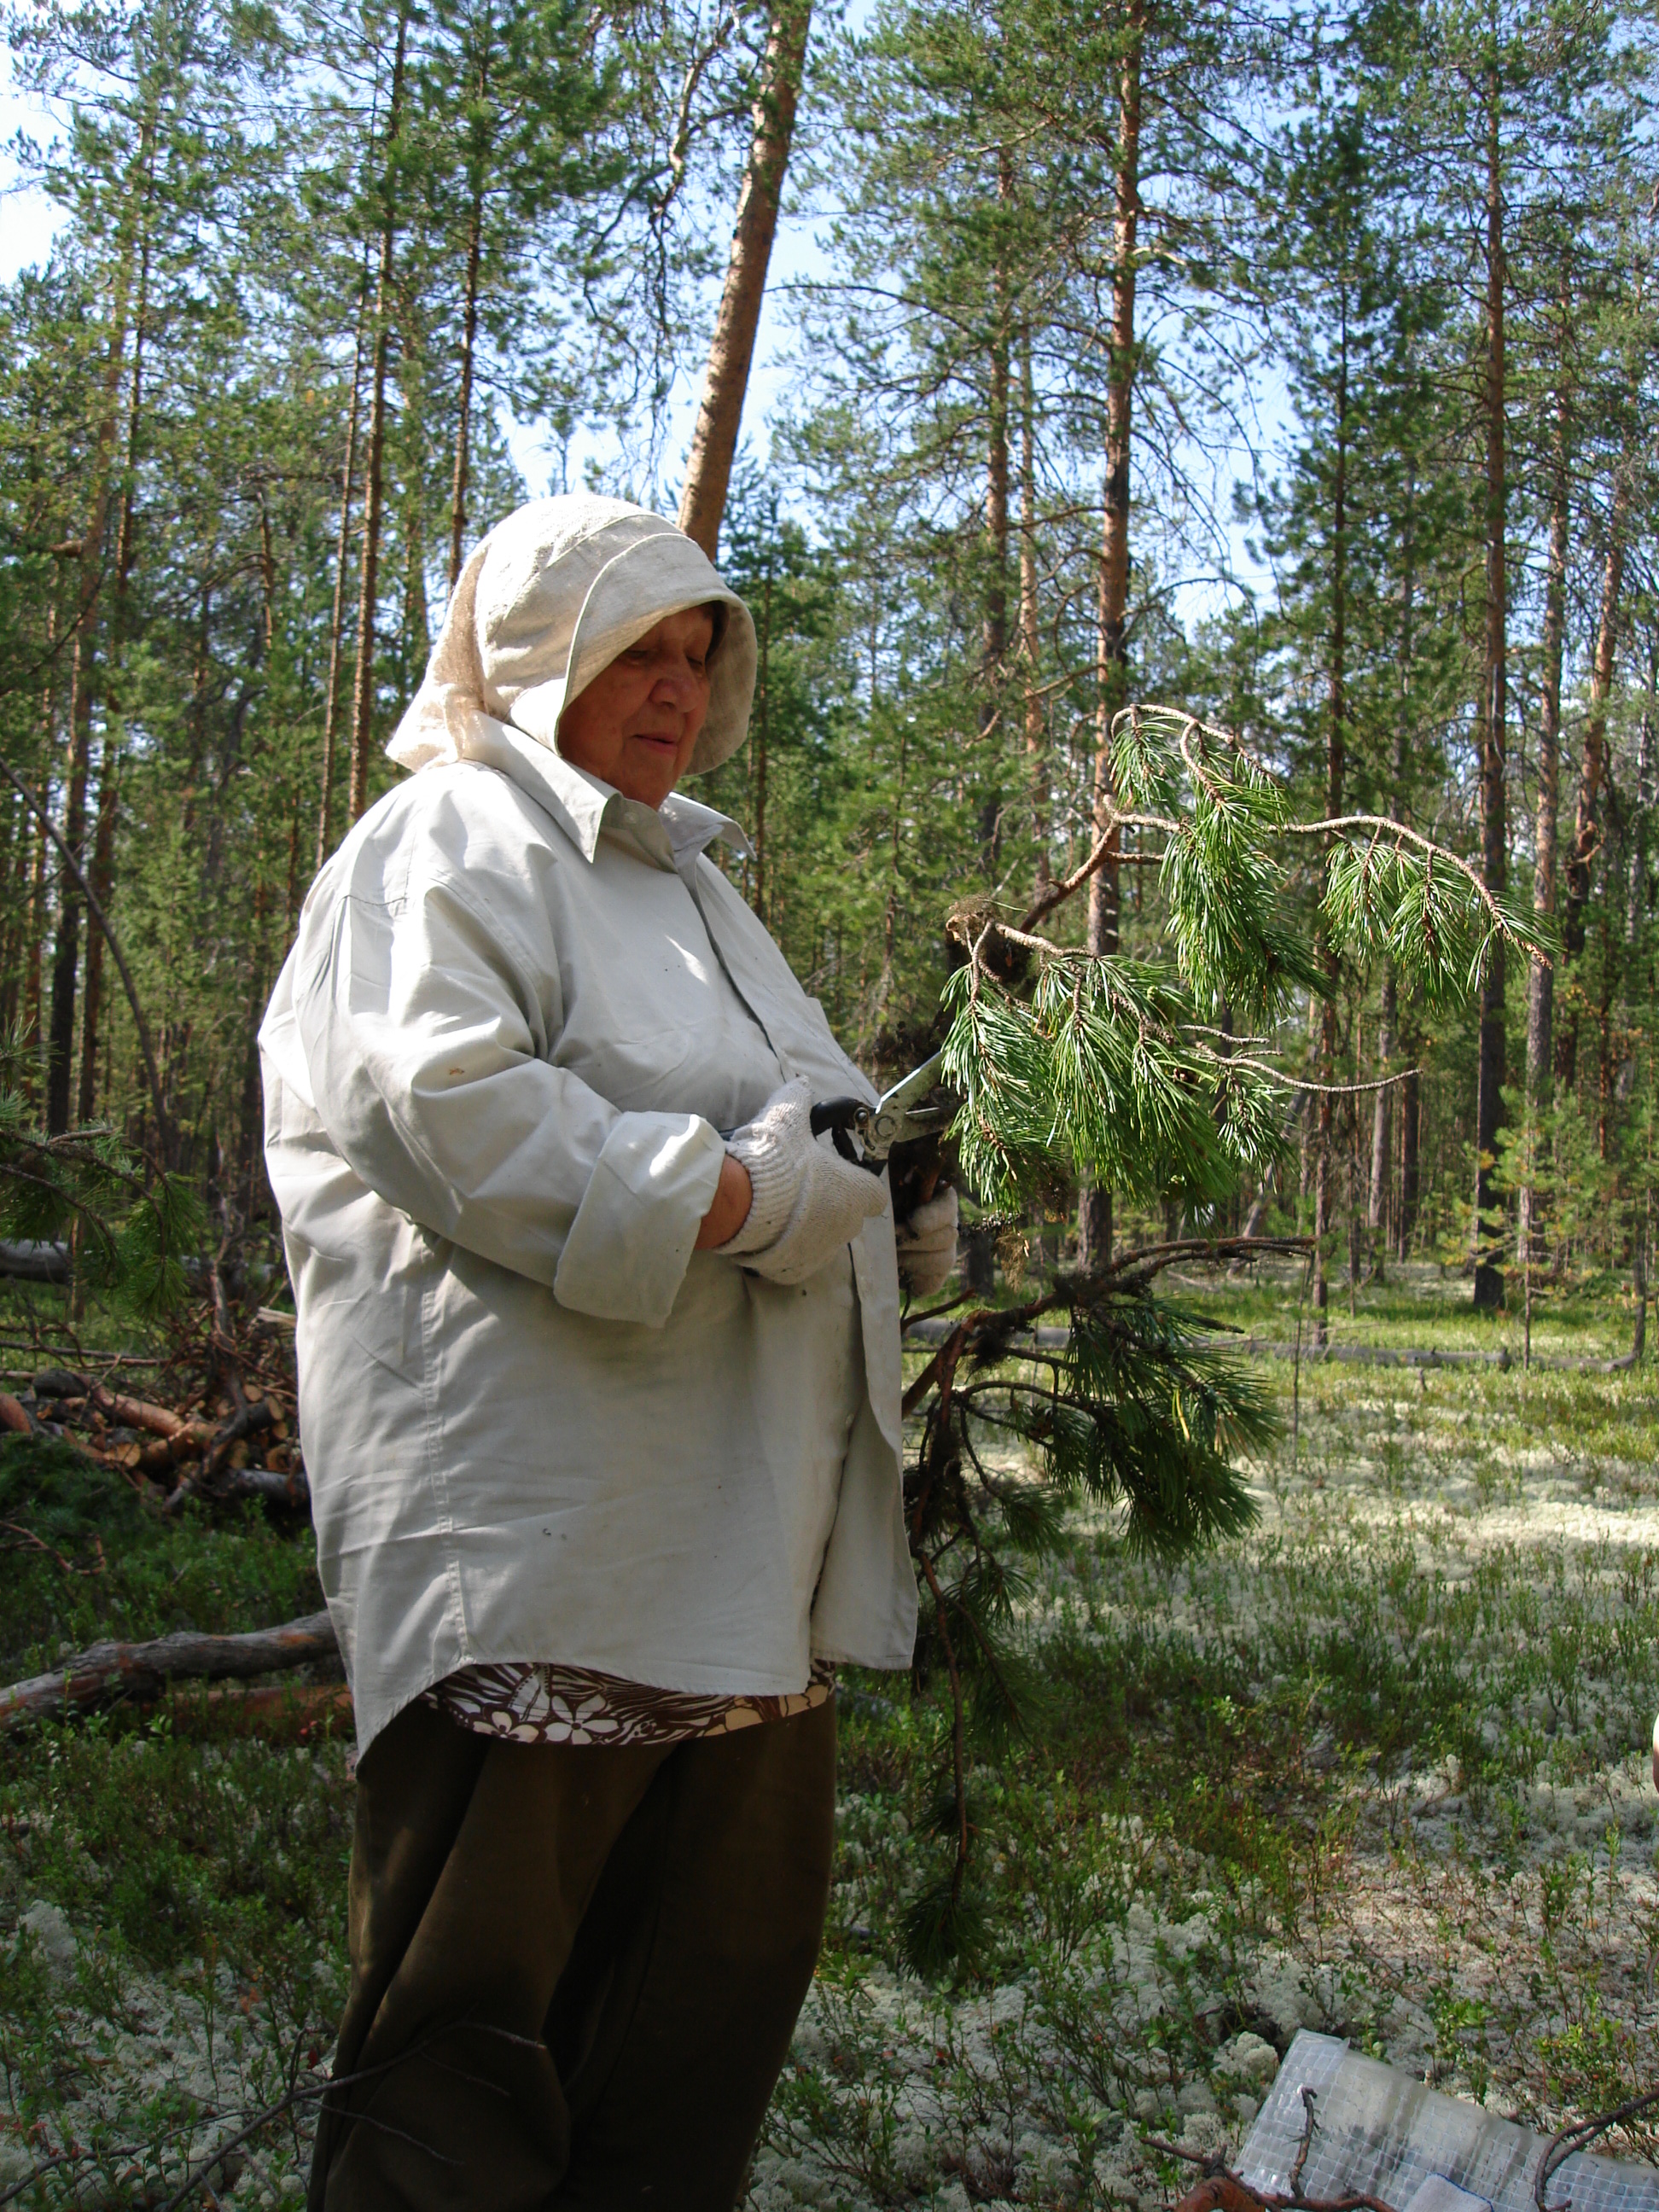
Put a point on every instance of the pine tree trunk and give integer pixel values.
(1307, 1147)
(19, 851)
(415, 645)
(103, 843)
(1387, 1025)
(1638, 970)
(1493, 726)
(291, 889)
(1030, 635)
(1095, 1206)
(336, 622)
(1540, 980)
(760, 741)
(1636, 878)
(267, 570)
(1336, 780)
(362, 703)
(1604, 1037)
(251, 1104)
(66, 951)
(994, 640)
(1377, 1208)
(33, 1037)
(103, 885)
(1411, 1107)
(1324, 1145)
(1592, 772)
(1350, 1114)
(469, 347)
(730, 352)
(1638, 1279)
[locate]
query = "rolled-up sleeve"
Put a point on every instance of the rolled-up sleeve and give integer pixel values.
(425, 1039)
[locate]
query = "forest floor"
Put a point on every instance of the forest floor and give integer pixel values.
(1382, 1767)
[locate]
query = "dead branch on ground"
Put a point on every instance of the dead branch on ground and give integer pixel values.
(136, 1673)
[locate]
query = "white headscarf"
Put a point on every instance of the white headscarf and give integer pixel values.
(549, 599)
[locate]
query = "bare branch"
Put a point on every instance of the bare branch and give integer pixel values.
(1070, 885)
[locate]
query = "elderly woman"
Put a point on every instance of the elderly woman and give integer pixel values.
(600, 1406)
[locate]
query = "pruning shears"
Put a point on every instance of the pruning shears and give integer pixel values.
(896, 1114)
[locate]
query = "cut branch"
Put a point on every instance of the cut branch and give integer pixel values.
(136, 1673)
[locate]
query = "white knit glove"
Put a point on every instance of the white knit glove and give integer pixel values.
(808, 1202)
(928, 1244)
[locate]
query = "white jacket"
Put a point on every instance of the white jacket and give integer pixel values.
(537, 1424)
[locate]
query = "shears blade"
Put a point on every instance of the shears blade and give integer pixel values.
(896, 1114)
(899, 1114)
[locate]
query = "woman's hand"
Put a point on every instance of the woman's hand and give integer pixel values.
(808, 1203)
(926, 1243)
(732, 1198)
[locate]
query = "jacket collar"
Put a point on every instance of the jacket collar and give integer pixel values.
(584, 808)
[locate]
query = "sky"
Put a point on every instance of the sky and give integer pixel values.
(28, 221)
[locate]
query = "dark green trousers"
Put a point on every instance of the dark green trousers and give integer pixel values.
(575, 1971)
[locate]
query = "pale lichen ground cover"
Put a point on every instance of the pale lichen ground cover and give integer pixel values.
(1443, 1634)
(1382, 1769)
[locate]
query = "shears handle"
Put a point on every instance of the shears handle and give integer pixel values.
(841, 1117)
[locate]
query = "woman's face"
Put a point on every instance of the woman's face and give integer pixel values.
(635, 724)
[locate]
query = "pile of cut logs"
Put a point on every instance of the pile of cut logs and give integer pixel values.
(228, 1436)
(218, 1424)
(204, 1448)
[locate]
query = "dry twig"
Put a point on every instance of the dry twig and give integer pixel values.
(1223, 2189)
(1579, 2136)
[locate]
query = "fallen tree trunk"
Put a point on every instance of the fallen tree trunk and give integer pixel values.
(64, 1383)
(216, 1448)
(110, 1674)
(134, 1412)
(247, 1422)
(268, 1483)
(14, 1416)
(933, 1330)
(277, 1709)
(37, 1261)
(73, 1391)
(46, 1259)
(187, 1439)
